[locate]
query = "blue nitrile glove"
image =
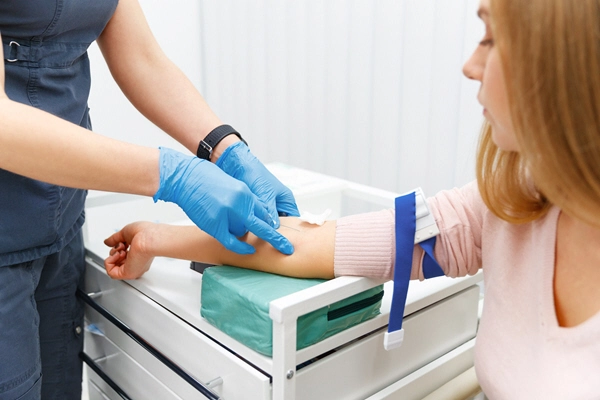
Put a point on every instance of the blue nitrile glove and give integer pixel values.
(223, 207)
(238, 162)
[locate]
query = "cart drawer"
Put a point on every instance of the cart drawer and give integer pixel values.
(130, 378)
(365, 367)
(94, 391)
(192, 351)
(437, 373)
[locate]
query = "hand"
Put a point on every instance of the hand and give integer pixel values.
(220, 205)
(129, 258)
(238, 162)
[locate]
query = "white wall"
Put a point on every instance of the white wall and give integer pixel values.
(366, 90)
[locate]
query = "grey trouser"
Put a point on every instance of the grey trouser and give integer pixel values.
(41, 323)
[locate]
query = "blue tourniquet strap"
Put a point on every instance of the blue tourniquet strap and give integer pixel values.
(405, 239)
(431, 268)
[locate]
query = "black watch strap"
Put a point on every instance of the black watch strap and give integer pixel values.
(206, 146)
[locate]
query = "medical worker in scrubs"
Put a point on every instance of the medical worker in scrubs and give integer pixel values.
(48, 154)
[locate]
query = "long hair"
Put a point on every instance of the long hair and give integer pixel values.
(550, 54)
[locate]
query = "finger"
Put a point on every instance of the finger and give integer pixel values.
(122, 271)
(237, 226)
(119, 247)
(287, 210)
(118, 256)
(262, 213)
(232, 243)
(270, 206)
(115, 238)
(113, 263)
(275, 219)
(274, 215)
(286, 205)
(268, 234)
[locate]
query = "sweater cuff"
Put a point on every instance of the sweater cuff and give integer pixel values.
(364, 245)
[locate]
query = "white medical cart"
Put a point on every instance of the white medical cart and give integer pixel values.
(145, 339)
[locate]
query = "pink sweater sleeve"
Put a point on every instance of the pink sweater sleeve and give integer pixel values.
(365, 243)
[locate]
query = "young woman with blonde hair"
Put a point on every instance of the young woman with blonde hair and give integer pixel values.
(531, 221)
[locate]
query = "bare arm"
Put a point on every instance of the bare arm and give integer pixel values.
(135, 246)
(154, 84)
(39, 145)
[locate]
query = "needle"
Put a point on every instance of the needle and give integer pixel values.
(289, 227)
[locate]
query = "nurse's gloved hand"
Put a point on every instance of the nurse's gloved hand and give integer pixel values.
(220, 205)
(238, 162)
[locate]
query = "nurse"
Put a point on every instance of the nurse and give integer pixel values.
(47, 150)
(531, 221)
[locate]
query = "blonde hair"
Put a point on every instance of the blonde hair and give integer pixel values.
(550, 52)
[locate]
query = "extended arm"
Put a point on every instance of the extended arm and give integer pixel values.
(135, 246)
(39, 145)
(160, 91)
(151, 81)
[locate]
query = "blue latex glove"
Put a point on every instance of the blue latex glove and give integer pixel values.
(220, 205)
(238, 162)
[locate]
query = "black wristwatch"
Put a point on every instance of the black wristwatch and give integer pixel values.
(206, 146)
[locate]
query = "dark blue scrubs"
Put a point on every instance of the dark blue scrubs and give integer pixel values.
(41, 251)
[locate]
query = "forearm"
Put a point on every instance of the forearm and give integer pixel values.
(164, 95)
(152, 82)
(312, 258)
(39, 145)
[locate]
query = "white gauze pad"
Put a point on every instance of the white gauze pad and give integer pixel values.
(318, 219)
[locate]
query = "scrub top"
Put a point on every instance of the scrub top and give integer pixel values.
(45, 46)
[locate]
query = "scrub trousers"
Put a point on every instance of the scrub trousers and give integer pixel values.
(41, 326)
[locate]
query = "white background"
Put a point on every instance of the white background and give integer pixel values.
(370, 91)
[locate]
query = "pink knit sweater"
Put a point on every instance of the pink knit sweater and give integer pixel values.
(521, 352)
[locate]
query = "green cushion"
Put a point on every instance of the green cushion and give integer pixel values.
(236, 301)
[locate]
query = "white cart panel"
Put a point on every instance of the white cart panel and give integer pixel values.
(163, 309)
